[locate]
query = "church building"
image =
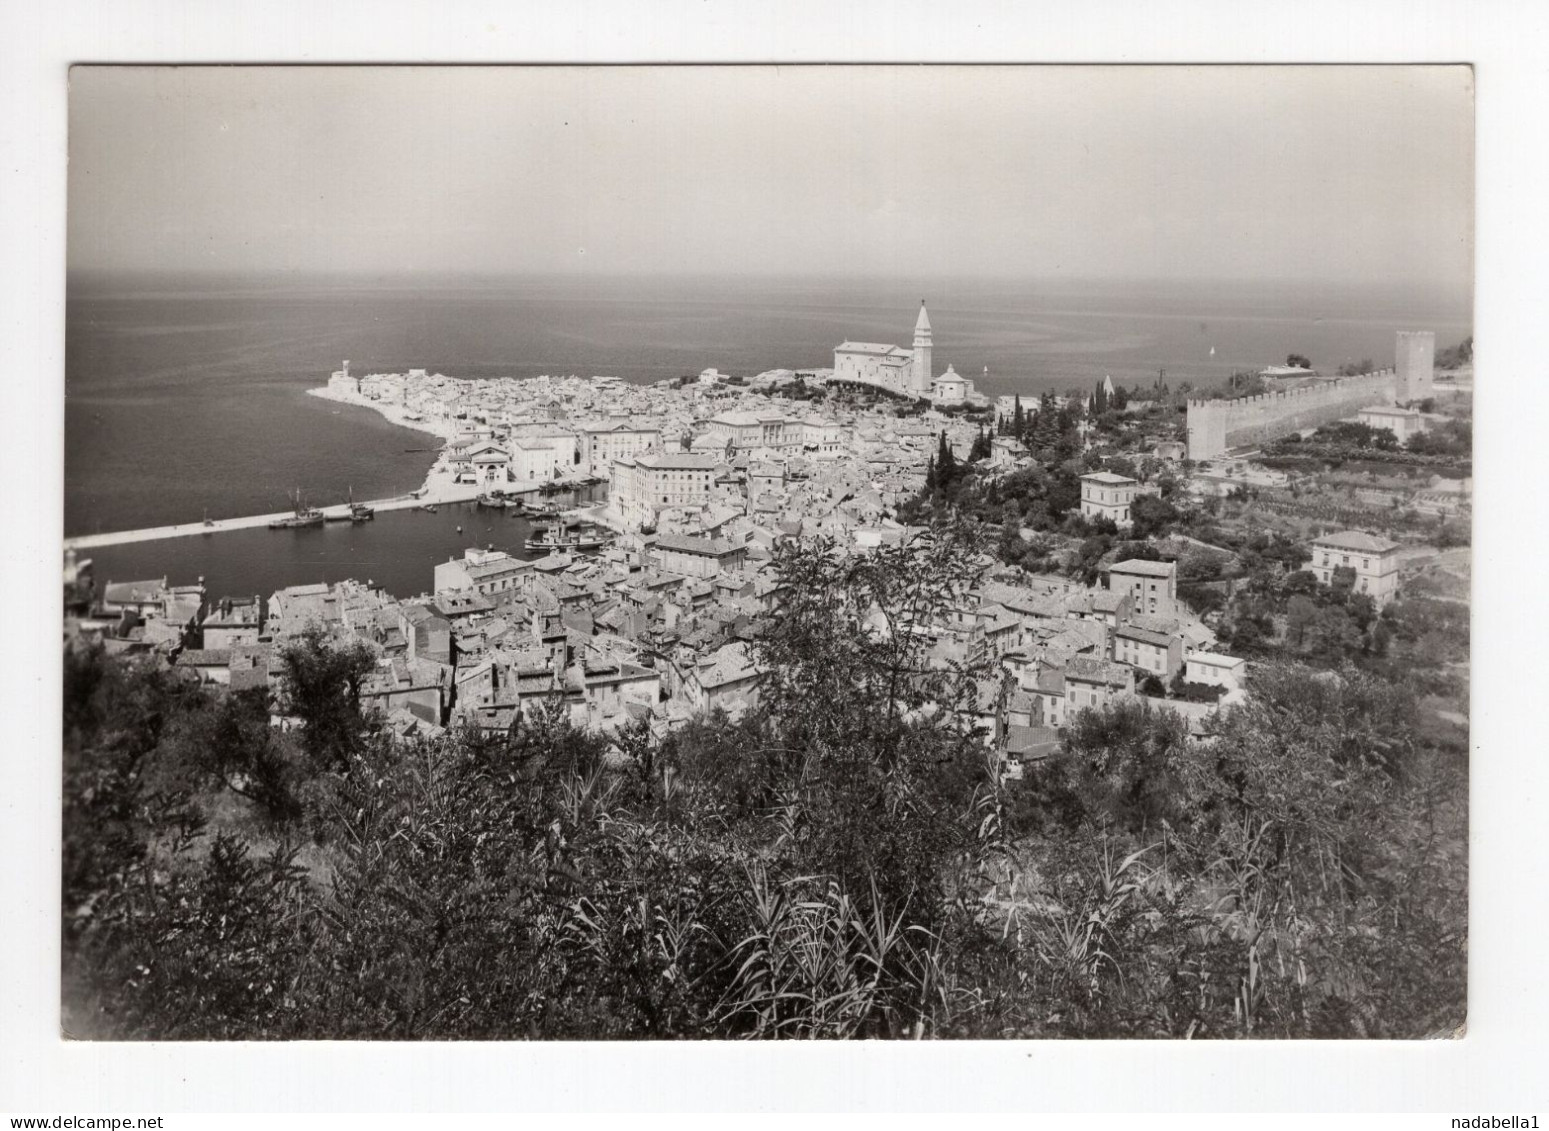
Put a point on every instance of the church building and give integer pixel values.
(901, 371)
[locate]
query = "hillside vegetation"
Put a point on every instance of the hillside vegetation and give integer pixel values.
(843, 861)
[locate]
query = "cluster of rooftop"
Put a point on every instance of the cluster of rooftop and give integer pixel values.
(707, 477)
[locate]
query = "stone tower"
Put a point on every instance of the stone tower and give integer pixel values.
(920, 376)
(1415, 365)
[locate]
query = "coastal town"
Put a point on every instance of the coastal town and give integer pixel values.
(714, 553)
(1123, 541)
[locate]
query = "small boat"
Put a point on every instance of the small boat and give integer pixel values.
(553, 488)
(429, 508)
(359, 512)
(492, 502)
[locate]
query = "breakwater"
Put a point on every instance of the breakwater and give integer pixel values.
(250, 522)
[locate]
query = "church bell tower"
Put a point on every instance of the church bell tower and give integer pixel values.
(922, 341)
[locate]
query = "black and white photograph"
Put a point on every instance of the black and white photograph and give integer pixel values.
(757, 552)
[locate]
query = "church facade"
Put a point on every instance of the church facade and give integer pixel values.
(904, 372)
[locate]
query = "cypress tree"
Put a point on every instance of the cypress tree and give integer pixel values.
(1046, 425)
(946, 464)
(1018, 424)
(981, 447)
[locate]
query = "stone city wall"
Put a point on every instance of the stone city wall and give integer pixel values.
(1215, 426)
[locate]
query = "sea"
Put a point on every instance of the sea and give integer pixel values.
(186, 395)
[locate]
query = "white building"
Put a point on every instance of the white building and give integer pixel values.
(1402, 422)
(340, 381)
(746, 431)
(901, 371)
(643, 486)
(491, 466)
(822, 439)
(603, 443)
(1374, 560)
(538, 461)
(1106, 495)
(951, 388)
(1215, 669)
(483, 571)
(563, 443)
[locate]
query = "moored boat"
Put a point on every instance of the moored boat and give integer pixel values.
(565, 540)
(304, 516)
(360, 512)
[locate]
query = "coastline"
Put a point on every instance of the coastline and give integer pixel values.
(437, 488)
(393, 414)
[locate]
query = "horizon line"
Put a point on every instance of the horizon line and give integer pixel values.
(838, 276)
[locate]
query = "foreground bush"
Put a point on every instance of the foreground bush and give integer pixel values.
(842, 862)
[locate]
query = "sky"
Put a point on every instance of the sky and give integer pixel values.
(1358, 174)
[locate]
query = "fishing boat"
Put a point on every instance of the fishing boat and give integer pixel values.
(360, 512)
(304, 516)
(543, 510)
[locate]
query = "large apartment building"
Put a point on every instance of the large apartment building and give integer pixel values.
(643, 486)
(605, 442)
(696, 557)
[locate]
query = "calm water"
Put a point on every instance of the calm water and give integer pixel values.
(398, 549)
(187, 396)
